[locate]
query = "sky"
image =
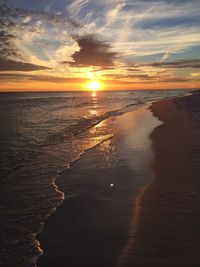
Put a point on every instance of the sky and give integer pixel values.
(130, 44)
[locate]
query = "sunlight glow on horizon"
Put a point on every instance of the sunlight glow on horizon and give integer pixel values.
(94, 86)
(44, 49)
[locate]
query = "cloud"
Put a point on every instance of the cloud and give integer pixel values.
(112, 79)
(76, 6)
(183, 21)
(27, 16)
(175, 79)
(132, 70)
(194, 63)
(165, 56)
(149, 37)
(15, 23)
(17, 77)
(6, 47)
(103, 68)
(93, 52)
(169, 27)
(11, 65)
(124, 76)
(146, 78)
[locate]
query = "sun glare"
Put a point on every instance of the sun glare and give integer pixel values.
(93, 86)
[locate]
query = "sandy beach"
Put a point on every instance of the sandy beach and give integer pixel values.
(133, 207)
(168, 229)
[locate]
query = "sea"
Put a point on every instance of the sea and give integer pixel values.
(41, 135)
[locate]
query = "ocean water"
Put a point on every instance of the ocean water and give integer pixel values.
(41, 135)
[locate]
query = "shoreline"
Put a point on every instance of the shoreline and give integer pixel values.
(33, 185)
(161, 226)
(168, 232)
(111, 198)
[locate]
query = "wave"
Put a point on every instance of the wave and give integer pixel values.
(84, 124)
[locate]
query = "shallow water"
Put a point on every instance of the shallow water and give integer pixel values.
(97, 220)
(41, 134)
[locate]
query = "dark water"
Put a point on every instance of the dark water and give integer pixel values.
(41, 133)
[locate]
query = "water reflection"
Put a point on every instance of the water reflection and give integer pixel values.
(94, 93)
(98, 132)
(108, 150)
(92, 111)
(102, 133)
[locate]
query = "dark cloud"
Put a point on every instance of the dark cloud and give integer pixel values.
(132, 70)
(145, 78)
(175, 80)
(17, 77)
(11, 65)
(7, 12)
(39, 5)
(93, 52)
(122, 76)
(194, 63)
(6, 47)
(7, 23)
(104, 68)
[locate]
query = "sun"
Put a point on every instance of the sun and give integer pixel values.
(94, 85)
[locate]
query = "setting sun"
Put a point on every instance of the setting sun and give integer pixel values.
(94, 85)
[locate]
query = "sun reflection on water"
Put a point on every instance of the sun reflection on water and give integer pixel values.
(94, 93)
(108, 151)
(100, 132)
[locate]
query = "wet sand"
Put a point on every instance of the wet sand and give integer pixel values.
(168, 232)
(94, 224)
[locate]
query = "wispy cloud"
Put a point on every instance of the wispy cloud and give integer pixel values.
(195, 63)
(26, 34)
(76, 6)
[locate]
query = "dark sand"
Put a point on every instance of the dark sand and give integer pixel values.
(168, 232)
(109, 228)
